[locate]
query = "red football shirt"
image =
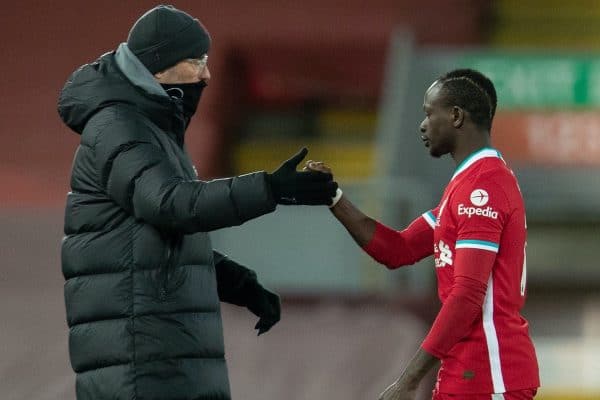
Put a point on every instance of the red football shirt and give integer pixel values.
(477, 234)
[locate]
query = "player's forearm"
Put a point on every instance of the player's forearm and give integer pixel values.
(455, 319)
(360, 226)
(421, 363)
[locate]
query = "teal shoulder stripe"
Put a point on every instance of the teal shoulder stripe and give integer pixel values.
(479, 242)
(430, 219)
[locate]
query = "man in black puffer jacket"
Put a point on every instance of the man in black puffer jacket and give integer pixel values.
(143, 283)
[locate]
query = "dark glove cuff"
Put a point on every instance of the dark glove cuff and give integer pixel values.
(250, 291)
(234, 282)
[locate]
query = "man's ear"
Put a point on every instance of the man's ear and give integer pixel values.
(458, 116)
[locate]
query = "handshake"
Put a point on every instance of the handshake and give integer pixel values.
(314, 185)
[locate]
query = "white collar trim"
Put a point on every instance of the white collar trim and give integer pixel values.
(486, 152)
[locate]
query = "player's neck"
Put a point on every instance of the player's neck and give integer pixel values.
(466, 148)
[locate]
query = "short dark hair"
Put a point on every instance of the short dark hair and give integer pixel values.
(472, 91)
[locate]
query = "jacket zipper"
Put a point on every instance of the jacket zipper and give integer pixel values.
(164, 272)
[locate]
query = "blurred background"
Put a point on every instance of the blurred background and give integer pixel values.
(347, 80)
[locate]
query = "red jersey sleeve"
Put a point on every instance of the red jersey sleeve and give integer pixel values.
(394, 248)
(480, 211)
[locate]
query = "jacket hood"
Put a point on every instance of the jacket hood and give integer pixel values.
(117, 77)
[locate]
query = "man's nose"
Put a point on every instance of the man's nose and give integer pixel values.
(205, 74)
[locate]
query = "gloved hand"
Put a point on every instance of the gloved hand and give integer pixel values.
(301, 187)
(264, 304)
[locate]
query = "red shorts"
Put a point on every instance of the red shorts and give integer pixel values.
(526, 394)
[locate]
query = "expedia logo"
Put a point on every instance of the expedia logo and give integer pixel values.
(484, 212)
(479, 197)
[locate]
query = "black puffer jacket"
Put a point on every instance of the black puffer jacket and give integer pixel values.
(142, 290)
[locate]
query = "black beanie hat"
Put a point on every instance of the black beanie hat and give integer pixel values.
(164, 36)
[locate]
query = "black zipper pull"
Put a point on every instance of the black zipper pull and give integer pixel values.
(162, 294)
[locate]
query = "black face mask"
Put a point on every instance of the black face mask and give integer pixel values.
(189, 93)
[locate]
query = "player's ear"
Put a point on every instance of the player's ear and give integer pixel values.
(458, 116)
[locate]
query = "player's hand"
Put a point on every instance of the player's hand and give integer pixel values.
(319, 166)
(398, 391)
(301, 187)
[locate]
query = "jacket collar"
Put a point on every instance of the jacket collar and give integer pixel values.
(139, 76)
(137, 73)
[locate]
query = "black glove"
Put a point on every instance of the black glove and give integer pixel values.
(238, 285)
(264, 304)
(301, 187)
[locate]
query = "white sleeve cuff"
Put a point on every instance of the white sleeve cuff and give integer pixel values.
(336, 198)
